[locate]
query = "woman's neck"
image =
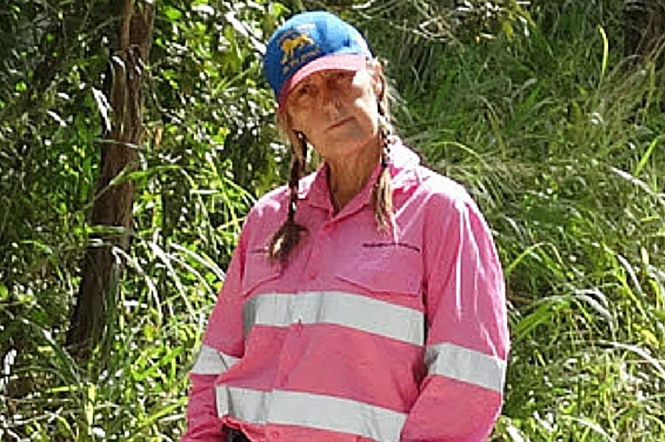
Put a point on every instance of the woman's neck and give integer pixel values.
(347, 176)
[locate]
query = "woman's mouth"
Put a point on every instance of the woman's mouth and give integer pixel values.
(339, 123)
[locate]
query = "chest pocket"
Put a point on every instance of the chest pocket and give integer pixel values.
(259, 272)
(385, 269)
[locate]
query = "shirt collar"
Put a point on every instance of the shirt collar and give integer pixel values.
(403, 163)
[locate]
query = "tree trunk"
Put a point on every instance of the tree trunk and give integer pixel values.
(644, 29)
(111, 217)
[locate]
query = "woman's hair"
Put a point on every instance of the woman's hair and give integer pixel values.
(288, 235)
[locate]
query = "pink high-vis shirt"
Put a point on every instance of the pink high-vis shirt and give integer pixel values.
(366, 334)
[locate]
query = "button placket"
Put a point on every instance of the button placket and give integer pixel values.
(315, 256)
(298, 316)
(284, 361)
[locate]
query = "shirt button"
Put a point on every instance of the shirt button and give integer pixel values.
(274, 434)
(312, 274)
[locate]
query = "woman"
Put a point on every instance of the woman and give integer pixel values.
(364, 302)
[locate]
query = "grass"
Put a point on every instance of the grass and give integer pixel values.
(559, 140)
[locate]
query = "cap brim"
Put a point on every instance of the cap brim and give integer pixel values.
(335, 62)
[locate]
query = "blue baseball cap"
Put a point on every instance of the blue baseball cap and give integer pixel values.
(311, 42)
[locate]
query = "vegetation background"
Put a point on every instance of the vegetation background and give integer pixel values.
(546, 110)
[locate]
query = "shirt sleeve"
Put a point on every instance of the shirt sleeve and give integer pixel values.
(467, 334)
(221, 348)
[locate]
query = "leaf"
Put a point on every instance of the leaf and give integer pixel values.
(172, 13)
(103, 106)
(57, 118)
(647, 155)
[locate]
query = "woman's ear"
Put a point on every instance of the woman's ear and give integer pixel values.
(286, 128)
(285, 121)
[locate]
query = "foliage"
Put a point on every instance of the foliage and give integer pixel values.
(532, 108)
(560, 141)
(50, 61)
(206, 146)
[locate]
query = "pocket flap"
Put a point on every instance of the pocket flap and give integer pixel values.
(258, 271)
(390, 269)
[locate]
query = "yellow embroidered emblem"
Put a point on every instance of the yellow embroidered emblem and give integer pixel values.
(289, 45)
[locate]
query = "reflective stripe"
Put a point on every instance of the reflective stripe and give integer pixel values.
(310, 410)
(354, 311)
(242, 403)
(466, 365)
(211, 361)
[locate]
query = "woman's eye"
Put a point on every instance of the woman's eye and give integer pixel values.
(304, 95)
(305, 90)
(340, 80)
(339, 77)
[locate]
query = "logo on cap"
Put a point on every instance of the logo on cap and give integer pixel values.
(297, 47)
(289, 45)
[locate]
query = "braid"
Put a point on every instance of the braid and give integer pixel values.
(382, 196)
(288, 235)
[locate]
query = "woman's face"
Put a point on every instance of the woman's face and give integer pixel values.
(336, 110)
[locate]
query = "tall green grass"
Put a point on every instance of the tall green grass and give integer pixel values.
(560, 140)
